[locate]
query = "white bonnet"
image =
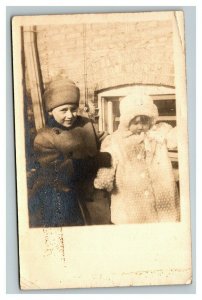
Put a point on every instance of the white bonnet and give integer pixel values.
(137, 104)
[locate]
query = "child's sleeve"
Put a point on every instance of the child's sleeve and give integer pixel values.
(106, 175)
(168, 133)
(172, 138)
(47, 154)
(45, 151)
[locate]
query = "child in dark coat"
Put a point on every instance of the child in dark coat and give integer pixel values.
(66, 151)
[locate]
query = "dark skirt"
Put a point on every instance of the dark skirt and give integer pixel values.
(52, 208)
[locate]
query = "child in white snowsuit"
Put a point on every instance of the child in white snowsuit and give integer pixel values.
(140, 179)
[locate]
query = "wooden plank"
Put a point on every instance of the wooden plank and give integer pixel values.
(161, 118)
(103, 115)
(110, 117)
(163, 97)
(100, 127)
(173, 155)
(33, 71)
(166, 118)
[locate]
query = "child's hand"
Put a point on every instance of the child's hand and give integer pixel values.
(98, 184)
(155, 135)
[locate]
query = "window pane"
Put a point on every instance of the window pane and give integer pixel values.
(166, 107)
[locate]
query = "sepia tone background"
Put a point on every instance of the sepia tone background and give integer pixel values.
(100, 57)
(107, 54)
(172, 238)
(107, 61)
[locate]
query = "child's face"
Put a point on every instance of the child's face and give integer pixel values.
(140, 124)
(65, 114)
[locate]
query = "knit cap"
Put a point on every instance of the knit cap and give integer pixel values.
(135, 105)
(59, 92)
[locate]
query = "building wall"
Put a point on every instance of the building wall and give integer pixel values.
(110, 54)
(99, 57)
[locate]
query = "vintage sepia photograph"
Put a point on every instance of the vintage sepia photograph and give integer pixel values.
(102, 150)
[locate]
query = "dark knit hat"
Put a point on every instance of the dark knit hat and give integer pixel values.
(59, 92)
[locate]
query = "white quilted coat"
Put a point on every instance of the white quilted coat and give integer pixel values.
(141, 179)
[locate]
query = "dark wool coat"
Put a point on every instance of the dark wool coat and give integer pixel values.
(67, 159)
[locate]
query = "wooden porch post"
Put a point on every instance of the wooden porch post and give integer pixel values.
(33, 71)
(100, 127)
(110, 117)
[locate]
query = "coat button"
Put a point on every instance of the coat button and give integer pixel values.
(146, 193)
(57, 131)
